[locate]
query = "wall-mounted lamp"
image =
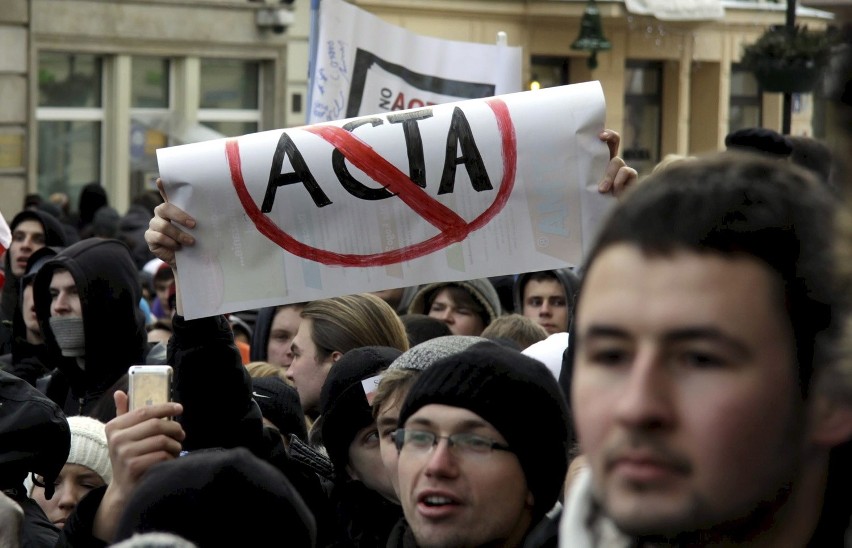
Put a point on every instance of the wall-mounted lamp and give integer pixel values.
(591, 35)
(275, 19)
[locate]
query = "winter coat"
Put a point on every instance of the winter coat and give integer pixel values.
(108, 286)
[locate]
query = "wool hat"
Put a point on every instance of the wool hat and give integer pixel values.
(343, 400)
(426, 353)
(219, 498)
(515, 394)
(480, 289)
(279, 404)
(89, 446)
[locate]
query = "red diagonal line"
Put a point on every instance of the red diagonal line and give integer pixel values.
(365, 158)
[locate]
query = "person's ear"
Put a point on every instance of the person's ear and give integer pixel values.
(831, 422)
(530, 500)
(336, 356)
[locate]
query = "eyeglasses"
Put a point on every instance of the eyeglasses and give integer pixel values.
(461, 444)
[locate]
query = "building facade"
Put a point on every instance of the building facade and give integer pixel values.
(91, 88)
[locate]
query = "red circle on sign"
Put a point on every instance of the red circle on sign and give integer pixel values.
(452, 228)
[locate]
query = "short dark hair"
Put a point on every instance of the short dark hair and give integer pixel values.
(745, 205)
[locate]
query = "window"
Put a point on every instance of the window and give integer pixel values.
(745, 100)
(548, 71)
(642, 114)
(70, 120)
(229, 96)
(150, 118)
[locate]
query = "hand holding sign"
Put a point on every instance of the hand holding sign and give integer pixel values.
(618, 176)
(163, 236)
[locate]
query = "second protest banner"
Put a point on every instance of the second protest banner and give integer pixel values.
(463, 190)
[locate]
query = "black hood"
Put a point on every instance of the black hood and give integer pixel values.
(260, 335)
(108, 285)
(54, 235)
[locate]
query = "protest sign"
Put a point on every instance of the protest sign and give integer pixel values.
(476, 188)
(364, 65)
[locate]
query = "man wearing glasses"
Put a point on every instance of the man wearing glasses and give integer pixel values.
(474, 466)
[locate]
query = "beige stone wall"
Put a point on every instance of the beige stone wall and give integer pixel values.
(14, 111)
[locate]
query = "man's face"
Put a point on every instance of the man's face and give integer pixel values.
(307, 372)
(65, 301)
(451, 499)
(545, 304)
(365, 463)
(684, 389)
(461, 319)
(74, 482)
(28, 311)
(161, 288)
(27, 238)
(284, 326)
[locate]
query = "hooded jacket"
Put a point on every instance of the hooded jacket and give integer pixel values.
(53, 236)
(569, 280)
(114, 326)
(480, 289)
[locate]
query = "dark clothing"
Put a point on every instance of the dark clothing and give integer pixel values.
(260, 335)
(364, 517)
(401, 536)
(26, 361)
(36, 530)
(215, 390)
(543, 535)
(108, 287)
(77, 532)
(132, 228)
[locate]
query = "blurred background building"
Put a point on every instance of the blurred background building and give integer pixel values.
(91, 88)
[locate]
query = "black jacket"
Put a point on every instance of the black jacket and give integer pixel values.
(108, 286)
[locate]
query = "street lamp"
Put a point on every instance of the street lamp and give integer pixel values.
(591, 35)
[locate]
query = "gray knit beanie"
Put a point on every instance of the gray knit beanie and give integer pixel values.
(428, 352)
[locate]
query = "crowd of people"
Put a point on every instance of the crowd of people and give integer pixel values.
(689, 385)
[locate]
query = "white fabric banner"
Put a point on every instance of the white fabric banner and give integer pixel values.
(458, 191)
(366, 66)
(678, 10)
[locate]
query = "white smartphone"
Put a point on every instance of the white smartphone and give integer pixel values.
(149, 385)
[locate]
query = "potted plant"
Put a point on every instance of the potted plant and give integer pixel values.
(788, 60)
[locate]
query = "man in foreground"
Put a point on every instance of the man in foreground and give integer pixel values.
(706, 393)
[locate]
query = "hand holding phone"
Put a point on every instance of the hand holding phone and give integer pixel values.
(149, 385)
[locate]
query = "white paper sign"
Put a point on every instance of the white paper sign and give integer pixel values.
(365, 66)
(451, 192)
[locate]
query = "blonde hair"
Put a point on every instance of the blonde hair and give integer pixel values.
(257, 370)
(516, 328)
(352, 321)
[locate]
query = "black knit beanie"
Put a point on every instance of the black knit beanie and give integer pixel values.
(345, 409)
(518, 396)
(219, 498)
(279, 404)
